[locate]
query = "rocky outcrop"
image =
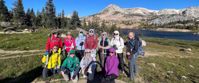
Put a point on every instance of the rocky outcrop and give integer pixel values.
(130, 16)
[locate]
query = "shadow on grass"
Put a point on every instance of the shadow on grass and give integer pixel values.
(26, 77)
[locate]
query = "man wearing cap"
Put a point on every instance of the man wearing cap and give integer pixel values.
(52, 41)
(117, 42)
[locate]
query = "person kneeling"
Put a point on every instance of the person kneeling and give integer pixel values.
(70, 67)
(111, 67)
(52, 65)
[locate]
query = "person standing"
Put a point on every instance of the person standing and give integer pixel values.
(69, 43)
(52, 41)
(91, 43)
(80, 40)
(117, 42)
(103, 45)
(132, 46)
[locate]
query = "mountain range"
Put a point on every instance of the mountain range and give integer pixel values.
(136, 17)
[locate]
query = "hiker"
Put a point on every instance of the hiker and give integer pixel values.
(91, 43)
(111, 67)
(133, 45)
(53, 62)
(80, 45)
(103, 45)
(69, 43)
(52, 41)
(118, 43)
(70, 67)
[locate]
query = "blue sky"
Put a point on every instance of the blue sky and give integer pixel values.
(89, 7)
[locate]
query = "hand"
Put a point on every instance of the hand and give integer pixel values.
(46, 53)
(58, 67)
(128, 53)
(128, 57)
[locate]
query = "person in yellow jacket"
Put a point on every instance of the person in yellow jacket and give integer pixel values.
(53, 62)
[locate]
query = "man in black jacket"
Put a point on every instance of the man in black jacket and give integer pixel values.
(132, 46)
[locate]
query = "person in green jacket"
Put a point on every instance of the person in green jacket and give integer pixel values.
(70, 67)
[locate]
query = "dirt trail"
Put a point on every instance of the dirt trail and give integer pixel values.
(17, 51)
(15, 54)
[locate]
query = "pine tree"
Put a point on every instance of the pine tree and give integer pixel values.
(112, 28)
(43, 17)
(63, 20)
(103, 26)
(19, 13)
(75, 22)
(4, 14)
(50, 14)
(38, 19)
(27, 19)
(84, 24)
(33, 17)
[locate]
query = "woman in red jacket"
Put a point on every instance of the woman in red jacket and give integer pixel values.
(52, 41)
(69, 43)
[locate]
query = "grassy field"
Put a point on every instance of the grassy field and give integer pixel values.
(163, 62)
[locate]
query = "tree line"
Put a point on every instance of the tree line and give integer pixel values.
(47, 18)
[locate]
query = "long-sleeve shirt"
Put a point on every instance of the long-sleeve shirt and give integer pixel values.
(71, 63)
(54, 60)
(132, 46)
(79, 40)
(91, 42)
(119, 43)
(111, 65)
(53, 41)
(69, 44)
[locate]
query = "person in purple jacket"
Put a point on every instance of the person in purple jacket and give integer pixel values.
(111, 67)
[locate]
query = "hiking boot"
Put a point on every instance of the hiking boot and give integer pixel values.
(75, 79)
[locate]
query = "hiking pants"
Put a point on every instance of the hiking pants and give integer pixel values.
(80, 54)
(133, 66)
(68, 72)
(121, 61)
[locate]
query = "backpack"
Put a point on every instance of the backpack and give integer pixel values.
(140, 50)
(140, 47)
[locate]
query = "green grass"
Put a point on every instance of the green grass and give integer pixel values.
(11, 68)
(28, 41)
(179, 66)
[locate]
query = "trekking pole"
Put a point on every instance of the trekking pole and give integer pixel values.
(46, 61)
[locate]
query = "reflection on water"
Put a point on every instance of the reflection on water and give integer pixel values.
(160, 34)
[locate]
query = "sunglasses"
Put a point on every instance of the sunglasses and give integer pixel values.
(111, 52)
(116, 34)
(80, 32)
(90, 31)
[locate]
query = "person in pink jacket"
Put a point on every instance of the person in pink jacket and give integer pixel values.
(69, 43)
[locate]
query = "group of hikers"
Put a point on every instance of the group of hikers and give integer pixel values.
(72, 57)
